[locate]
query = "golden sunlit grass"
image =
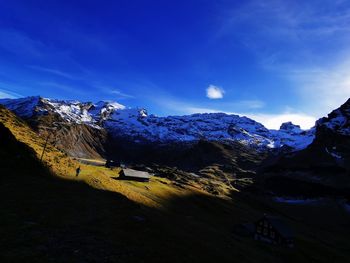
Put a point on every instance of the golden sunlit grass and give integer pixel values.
(58, 161)
(152, 194)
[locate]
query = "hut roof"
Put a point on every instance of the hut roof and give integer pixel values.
(136, 174)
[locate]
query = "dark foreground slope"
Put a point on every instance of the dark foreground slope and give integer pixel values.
(47, 219)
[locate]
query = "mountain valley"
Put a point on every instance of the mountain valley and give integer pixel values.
(211, 173)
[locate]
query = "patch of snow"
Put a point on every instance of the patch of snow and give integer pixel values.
(338, 120)
(295, 138)
(102, 110)
(210, 126)
(71, 111)
(347, 207)
(138, 125)
(297, 201)
(333, 154)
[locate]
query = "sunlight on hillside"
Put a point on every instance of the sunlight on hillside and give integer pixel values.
(153, 194)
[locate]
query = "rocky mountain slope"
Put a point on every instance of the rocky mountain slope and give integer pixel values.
(68, 125)
(137, 126)
(324, 166)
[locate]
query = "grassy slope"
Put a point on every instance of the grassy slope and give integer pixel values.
(98, 177)
(58, 161)
(45, 218)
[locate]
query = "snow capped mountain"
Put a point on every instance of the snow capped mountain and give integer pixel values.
(326, 160)
(290, 127)
(135, 123)
(338, 121)
(138, 126)
(69, 110)
(293, 136)
(24, 107)
(333, 134)
(102, 110)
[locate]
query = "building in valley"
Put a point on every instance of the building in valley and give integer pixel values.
(274, 230)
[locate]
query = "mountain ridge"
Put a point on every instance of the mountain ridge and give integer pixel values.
(139, 126)
(323, 165)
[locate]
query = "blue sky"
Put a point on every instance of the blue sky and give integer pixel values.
(272, 60)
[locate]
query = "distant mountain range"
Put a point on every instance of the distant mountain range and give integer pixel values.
(140, 127)
(288, 161)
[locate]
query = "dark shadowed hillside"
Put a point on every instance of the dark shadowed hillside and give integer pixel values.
(233, 157)
(321, 169)
(46, 218)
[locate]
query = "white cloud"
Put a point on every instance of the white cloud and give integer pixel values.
(249, 104)
(193, 110)
(52, 71)
(323, 89)
(270, 121)
(274, 121)
(287, 37)
(215, 92)
(121, 95)
(19, 43)
(5, 94)
(63, 87)
(281, 20)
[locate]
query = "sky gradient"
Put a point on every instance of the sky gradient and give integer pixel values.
(270, 60)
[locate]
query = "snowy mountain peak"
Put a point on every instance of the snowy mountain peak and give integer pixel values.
(25, 107)
(137, 125)
(109, 104)
(143, 113)
(71, 111)
(128, 115)
(337, 121)
(289, 126)
(102, 110)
